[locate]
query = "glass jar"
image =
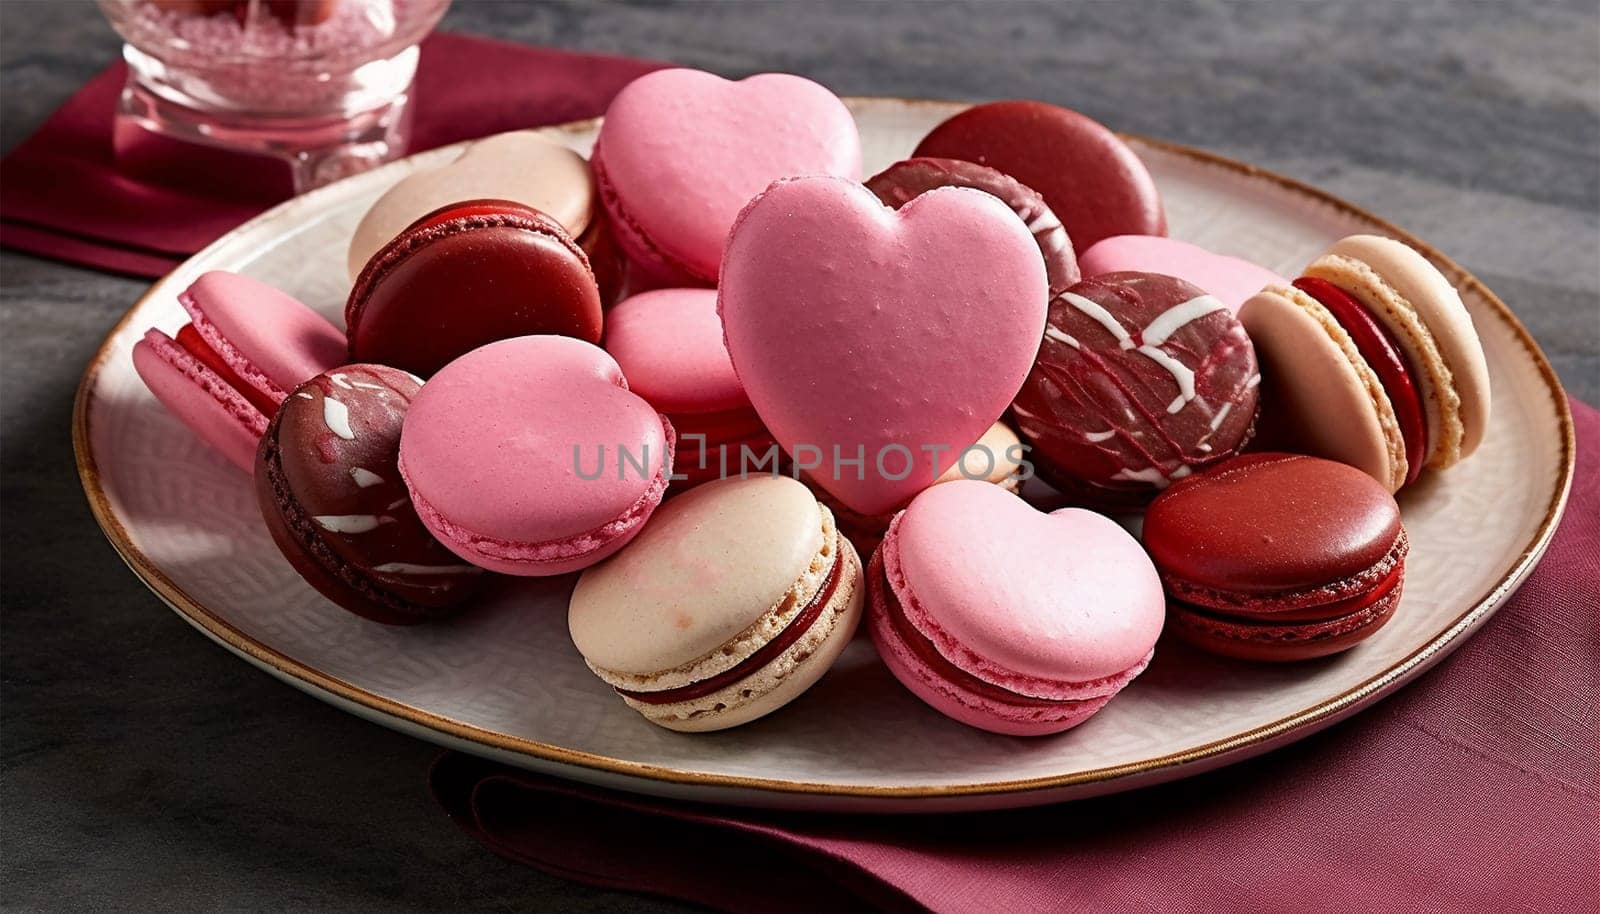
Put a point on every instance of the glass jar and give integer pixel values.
(324, 86)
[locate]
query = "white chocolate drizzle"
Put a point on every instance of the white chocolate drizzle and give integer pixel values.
(303, 395)
(337, 417)
(351, 523)
(1097, 437)
(409, 568)
(1176, 317)
(1222, 414)
(365, 477)
(338, 379)
(1061, 337)
(1180, 372)
(1101, 316)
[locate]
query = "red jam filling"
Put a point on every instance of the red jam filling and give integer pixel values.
(1381, 351)
(764, 655)
(191, 340)
(1321, 613)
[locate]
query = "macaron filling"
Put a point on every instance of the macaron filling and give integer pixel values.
(1352, 627)
(758, 659)
(1323, 599)
(1315, 612)
(1383, 353)
(192, 342)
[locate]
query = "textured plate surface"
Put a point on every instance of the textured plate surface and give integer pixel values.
(505, 681)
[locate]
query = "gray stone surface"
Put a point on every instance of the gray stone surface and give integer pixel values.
(145, 769)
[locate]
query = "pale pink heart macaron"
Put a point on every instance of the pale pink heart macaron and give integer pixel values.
(892, 338)
(681, 151)
(1229, 279)
(1008, 619)
(245, 347)
(735, 599)
(530, 456)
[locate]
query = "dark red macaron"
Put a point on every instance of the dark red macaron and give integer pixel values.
(606, 260)
(1088, 176)
(904, 181)
(467, 275)
(329, 486)
(1278, 556)
(1141, 380)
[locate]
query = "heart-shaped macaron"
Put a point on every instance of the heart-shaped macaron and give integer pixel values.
(682, 151)
(1008, 619)
(890, 337)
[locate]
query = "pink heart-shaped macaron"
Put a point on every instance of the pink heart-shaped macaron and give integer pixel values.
(892, 337)
(1009, 619)
(682, 151)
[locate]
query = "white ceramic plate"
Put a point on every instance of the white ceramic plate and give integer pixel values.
(505, 681)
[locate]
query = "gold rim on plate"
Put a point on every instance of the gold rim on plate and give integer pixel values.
(1321, 713)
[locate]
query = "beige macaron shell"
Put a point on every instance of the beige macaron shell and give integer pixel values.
(1319, 389)
(789, 675)
(681, 602)
(999, 443)
(522, 167)
(1425, 313)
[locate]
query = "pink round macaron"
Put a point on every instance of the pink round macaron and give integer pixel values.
(1229, 279)
(1007, 619)
(531, 457)
(669, 345)
(225, 372)
(682, 151)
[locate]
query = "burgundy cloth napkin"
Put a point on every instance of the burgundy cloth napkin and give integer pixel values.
(62, 196)
(1476, 788)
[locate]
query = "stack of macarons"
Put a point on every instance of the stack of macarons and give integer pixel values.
(753, 399)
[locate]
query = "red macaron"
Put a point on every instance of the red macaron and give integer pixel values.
(467, 275)
(1278, 557)
(329, 487)
(1089, 177)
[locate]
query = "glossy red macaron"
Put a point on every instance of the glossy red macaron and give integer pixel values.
(1085, 172)
(1278, 556)
(329, 487)
(467, 275)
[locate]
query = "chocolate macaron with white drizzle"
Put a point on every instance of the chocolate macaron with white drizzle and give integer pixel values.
(330, 490)
(1141, 379)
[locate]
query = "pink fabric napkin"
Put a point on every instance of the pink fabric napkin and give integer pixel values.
(61, 195)
(1476, 788)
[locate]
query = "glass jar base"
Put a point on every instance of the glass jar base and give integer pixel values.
(159, 138)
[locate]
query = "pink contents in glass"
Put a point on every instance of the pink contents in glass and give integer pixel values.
(321, 86)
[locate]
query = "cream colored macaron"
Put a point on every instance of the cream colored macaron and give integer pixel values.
(1371, 358)
(523, 167)
(735, 599)
(997, 457)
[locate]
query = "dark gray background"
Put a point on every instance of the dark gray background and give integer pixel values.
(146, 769)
